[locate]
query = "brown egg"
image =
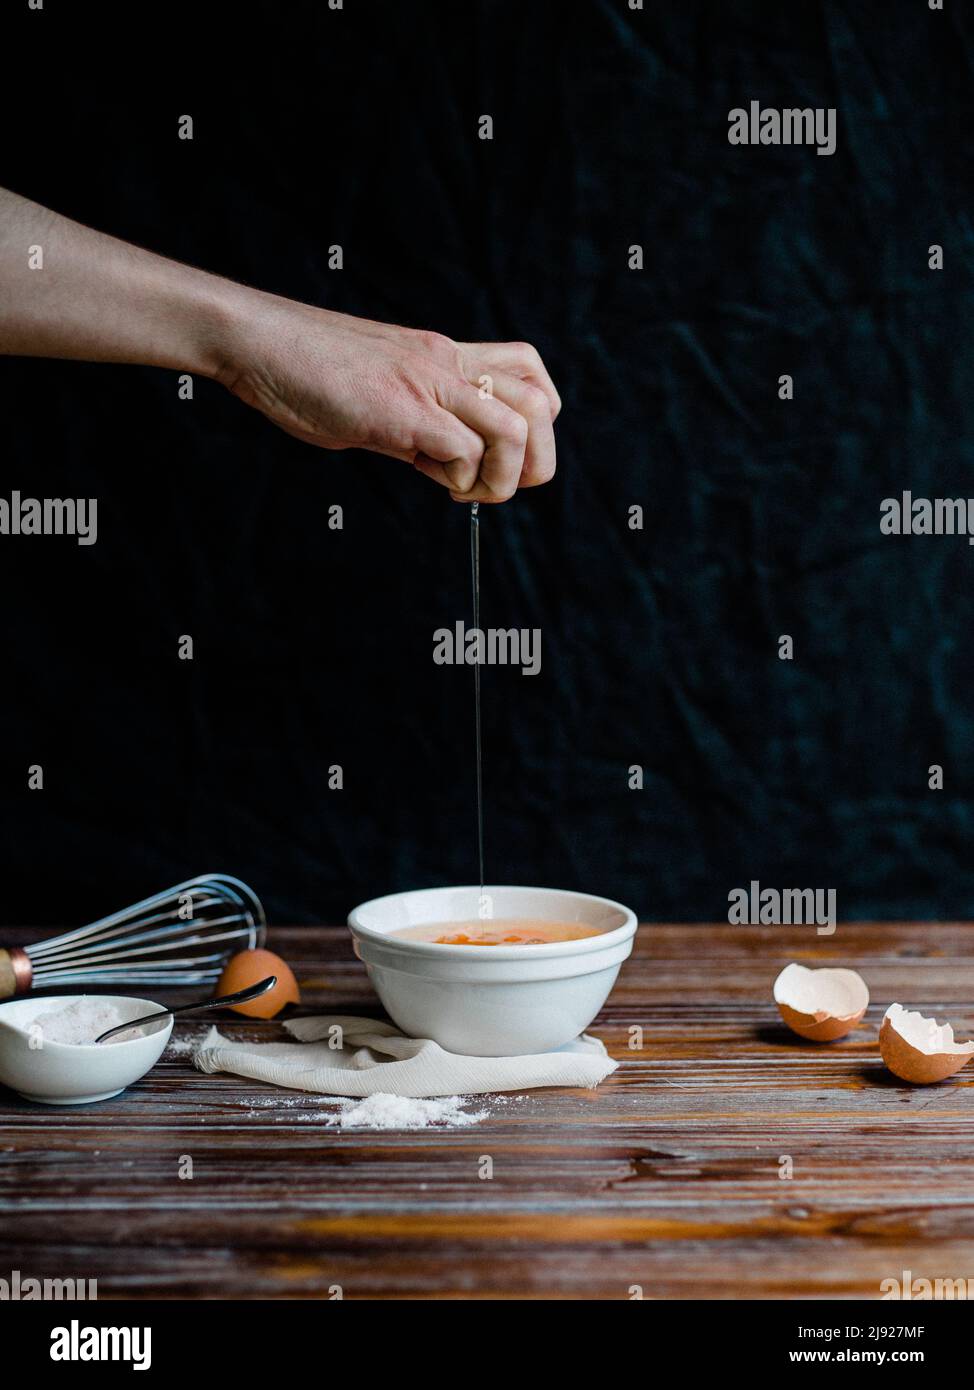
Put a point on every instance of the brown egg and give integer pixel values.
(248, 968)
(920, 1049)
(820, 1004)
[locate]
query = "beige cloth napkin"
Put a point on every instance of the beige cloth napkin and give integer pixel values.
(376, 1057)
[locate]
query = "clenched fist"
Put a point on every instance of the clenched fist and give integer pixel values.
(475, 417)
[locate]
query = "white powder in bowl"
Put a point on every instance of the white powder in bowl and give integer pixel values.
(382, 1111)
(79, 1023)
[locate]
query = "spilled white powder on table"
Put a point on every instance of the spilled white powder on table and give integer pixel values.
(380, 1110)
(186, 1046)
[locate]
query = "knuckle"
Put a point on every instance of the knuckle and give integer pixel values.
(435, 344)
(527, 352)
(469, 454)
(536, 402)
(515, 430)
(543, 473)
(503, 492)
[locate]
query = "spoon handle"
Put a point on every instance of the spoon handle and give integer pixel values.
(242, 996)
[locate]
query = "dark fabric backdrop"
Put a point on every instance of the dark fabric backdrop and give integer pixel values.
(314, 647)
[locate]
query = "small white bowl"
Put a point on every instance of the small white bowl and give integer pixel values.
(56, 1073)
(492, 1001)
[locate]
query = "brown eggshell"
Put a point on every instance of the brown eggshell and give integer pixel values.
(817, 1029)
(248, 968)
(820, 1005)
(911, 1062)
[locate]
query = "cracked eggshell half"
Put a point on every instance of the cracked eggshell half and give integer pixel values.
(820, 1004)
(920, 1049)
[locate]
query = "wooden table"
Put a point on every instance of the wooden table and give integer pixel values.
(668, 1177)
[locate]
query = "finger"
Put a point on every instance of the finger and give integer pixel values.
(505, 435)
(448, 451)
(530, 402)
(517, 359)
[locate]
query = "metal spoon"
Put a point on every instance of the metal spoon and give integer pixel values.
(242, 996)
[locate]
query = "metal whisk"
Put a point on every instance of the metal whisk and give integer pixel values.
(182, 936)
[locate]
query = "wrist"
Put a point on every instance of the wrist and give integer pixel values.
(220, 321)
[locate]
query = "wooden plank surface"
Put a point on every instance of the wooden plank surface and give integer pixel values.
(666, 1177)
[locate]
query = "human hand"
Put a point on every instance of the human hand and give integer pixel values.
(475, 417)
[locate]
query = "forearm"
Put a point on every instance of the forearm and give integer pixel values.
(92, 297)
(335, 381)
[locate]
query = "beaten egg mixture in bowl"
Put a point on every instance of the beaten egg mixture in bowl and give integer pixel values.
(528, 978)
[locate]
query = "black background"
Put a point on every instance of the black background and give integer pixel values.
(314, 647)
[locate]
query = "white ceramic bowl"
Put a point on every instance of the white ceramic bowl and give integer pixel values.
(66, 1074)
(492, 1001)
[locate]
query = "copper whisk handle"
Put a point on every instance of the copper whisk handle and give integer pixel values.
(16, 972)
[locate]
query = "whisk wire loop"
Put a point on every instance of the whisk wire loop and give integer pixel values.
(181, 936)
